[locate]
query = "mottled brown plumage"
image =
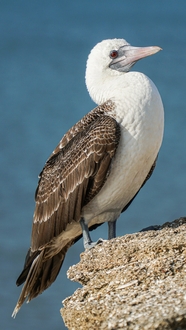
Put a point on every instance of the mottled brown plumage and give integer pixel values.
(71, 177)
(81, 163)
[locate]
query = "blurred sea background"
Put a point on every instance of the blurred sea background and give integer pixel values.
(43, 51)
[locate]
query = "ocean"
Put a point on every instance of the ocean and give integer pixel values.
(43, 51)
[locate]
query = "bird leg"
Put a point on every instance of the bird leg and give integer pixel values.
(112, 229)
(87, 242)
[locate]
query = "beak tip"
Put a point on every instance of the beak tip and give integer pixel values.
(158, 48)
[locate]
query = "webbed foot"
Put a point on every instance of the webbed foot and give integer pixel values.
(90, 244)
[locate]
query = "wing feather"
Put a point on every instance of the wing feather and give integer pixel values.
(84, 123)
(72, 177)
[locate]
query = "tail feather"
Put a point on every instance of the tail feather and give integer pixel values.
(30, 257)
(42, 273)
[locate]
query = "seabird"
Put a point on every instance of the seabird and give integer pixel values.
(99, 165)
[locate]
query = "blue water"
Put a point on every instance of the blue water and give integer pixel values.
(43, 50)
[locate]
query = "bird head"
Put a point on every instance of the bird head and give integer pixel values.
(112, 57)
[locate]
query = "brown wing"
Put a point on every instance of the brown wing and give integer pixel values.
(83, 123)
(72, 177)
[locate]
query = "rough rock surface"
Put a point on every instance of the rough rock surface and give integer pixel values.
(133, 282)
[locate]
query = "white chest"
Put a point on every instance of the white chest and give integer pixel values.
(140, 115)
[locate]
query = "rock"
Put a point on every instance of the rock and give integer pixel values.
(133, 282)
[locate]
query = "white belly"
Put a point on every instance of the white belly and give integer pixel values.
(141, 138)
(128, 172)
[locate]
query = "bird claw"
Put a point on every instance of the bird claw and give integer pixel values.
(90, 245)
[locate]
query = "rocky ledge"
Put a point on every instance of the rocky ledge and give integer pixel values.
(133, 282)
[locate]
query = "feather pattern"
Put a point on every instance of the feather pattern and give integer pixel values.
(71, 177)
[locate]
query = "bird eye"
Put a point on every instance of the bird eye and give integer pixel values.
(113, 54)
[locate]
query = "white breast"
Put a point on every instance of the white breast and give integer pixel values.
(139, 111)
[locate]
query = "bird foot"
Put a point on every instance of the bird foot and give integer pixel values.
(90, 245)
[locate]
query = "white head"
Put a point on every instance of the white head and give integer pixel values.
(109, 59)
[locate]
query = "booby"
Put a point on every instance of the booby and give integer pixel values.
(99, 165)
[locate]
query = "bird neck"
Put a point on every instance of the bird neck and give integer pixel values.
(117, 86)
(135, 96)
